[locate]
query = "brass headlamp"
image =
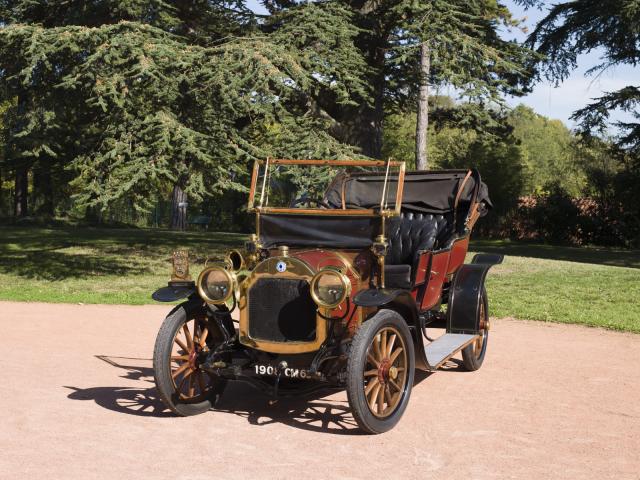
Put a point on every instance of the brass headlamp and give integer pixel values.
(235, 260)
(330, 287)
(217, 285)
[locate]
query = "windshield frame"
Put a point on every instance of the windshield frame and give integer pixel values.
(384, 211)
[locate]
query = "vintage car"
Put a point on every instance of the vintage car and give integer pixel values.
(334, 292)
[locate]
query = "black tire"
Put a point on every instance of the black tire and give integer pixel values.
(359, 379)
(169, 392)
(473, 354)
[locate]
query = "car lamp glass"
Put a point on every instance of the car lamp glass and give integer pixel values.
(215, 285)
(329, 288)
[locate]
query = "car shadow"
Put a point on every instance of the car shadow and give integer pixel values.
(323, 411)
(128, 400)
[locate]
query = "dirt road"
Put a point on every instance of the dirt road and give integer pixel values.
(77, 401)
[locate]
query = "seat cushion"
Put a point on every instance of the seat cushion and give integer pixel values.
(397, 276)
(411, 233)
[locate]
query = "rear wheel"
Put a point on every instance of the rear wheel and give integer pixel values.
(183, 386)
(380, 372)
(473, 354)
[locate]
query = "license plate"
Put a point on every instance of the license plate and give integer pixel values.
(289, 372)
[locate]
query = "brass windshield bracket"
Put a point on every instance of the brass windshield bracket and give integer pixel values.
(379, 249)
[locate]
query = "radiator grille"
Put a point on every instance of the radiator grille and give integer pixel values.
(281, 310)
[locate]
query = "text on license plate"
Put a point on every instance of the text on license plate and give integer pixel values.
(287, 372)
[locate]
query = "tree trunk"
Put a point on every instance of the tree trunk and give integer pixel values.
(21, 192)
(178, 209)
(93, 215)
(43, 189)
(422, 123)
(362, 125)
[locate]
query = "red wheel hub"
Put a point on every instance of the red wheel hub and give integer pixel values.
(383, 370)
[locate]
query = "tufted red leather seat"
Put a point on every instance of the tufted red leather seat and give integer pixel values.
(408, 235)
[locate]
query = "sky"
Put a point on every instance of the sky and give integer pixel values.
(559, 102)
(577, 90)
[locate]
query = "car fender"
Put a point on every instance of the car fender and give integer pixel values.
(384, 297)
(463, 312)
(173, 293)
(194, 306)
(394, 299)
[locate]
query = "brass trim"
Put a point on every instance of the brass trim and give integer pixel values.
(335, 163)
(231, 277)
(264, 194)
(317, 211)
(347, 263)
(380, 253)
(240, 260)
(343, 278)
(252, 189)
(297, 269)
(400, 190)
(180, 266)
(383, 199)
(264, 181)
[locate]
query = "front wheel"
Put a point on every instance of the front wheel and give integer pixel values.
(183, 339)
(473, 354)
(380, 371)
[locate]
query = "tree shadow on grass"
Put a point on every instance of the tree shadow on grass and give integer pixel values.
(29, 238)
(322, 411)
(54, 265)
(43, 253)
(593, 255)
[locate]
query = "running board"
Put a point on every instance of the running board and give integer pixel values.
(445, 347)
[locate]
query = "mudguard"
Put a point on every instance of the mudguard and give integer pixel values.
(194, 306)
(395, 299)
(463, 313)
(402, 302)
(172, 293)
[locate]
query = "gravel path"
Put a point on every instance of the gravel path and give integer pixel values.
(77, 401)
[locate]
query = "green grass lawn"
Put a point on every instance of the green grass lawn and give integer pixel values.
(96, 265)
(599, 287)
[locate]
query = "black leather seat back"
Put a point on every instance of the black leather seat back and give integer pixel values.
(411, 233)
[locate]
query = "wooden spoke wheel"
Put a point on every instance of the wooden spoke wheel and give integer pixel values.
(189, 343)
(380, 371)
(473, 354)
(385, 373)
(182, 343)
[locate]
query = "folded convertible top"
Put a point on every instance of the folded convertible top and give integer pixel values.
(427, 192)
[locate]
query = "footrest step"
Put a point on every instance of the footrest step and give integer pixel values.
(445, 347)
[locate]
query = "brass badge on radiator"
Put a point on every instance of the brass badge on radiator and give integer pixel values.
(180, 266)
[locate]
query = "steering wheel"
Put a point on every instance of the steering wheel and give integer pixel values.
(308, 202)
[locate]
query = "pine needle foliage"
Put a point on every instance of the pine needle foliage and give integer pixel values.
(467, 48)
(138, 96)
